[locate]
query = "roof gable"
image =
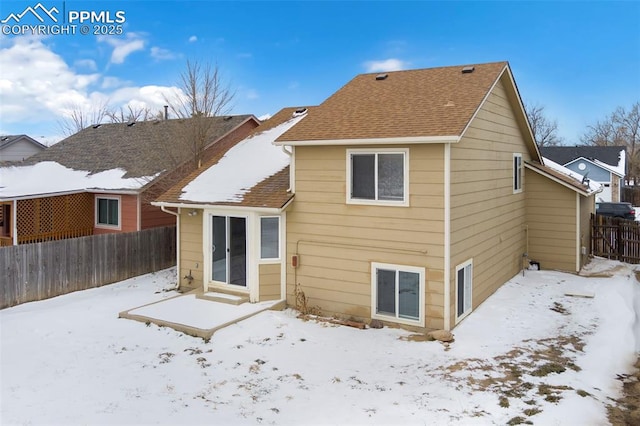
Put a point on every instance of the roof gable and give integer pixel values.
(596, 163)
(140, 149)
(7, 140)
(424, 103)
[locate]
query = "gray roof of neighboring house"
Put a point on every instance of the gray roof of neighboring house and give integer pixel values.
(6, 140)
(565, 154)
(141, 149)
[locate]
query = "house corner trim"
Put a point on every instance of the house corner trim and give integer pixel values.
(447, 236)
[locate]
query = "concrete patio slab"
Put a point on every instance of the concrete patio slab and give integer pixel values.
(195, 316)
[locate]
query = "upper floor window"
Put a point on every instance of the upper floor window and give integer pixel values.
(517, 173)
(377, 177)
(108, 212)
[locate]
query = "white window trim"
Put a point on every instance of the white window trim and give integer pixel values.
(404, 202)
(278, 259)
(105, 226)
(517, 171)
(374, 296)
(465, 314)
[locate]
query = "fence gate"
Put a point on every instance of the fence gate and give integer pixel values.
(615, 238)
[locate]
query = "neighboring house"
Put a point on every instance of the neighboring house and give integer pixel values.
(103, 178)
(406, 196)
(18, 147)
(603, 164)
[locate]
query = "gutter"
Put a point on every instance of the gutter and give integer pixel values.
(223, 207)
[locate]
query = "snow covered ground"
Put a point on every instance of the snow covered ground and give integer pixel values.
(528, 353)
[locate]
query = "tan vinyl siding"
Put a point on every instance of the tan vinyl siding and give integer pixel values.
(551, 219)
(487, 218)
(191, 258)
(336, 242)
(587, 207)
(269, 278)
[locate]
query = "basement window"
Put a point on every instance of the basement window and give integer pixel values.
(397, 293)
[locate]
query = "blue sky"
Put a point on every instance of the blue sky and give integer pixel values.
(579, 59)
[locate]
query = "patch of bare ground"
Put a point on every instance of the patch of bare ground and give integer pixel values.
(512, 375)
(626, 410)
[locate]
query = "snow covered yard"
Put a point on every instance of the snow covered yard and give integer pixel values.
(529, 353)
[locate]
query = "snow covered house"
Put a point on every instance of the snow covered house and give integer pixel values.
(407, 197)
(603, 164)
(18, 147)
(103, 178)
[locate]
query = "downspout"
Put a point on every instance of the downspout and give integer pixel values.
(291, 167)
(578, 239)
(447, 236)
(177, 215)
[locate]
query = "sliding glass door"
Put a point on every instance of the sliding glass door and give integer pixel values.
(229, 250)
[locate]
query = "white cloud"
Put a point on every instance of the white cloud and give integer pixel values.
(264, 117)
(193, 39)
(37, 81)
(161, 54)
(390, 64)
(252, 94)
(89, 64)
(123, 47)
(38, 88)
(152, 97)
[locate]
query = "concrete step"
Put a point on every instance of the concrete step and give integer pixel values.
(232, 299)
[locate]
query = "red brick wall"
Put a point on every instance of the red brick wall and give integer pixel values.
(153, 216)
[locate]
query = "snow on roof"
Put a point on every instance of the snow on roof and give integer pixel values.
(49, 177)
(593, 186)
(241, 168)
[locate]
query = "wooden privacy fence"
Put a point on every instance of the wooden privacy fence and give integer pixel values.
(30, 272)
(615, 238)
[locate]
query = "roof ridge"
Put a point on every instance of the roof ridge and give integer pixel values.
(434, 68)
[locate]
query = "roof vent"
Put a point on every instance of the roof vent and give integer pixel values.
(95, 126)
(468, 70)
(5, 138)
(227, 118)
(382, 76)
(299, 112)
(131, 123)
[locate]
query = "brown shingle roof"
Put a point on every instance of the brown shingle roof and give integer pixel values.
(269, 193)
(142, 149)
(414, 103)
